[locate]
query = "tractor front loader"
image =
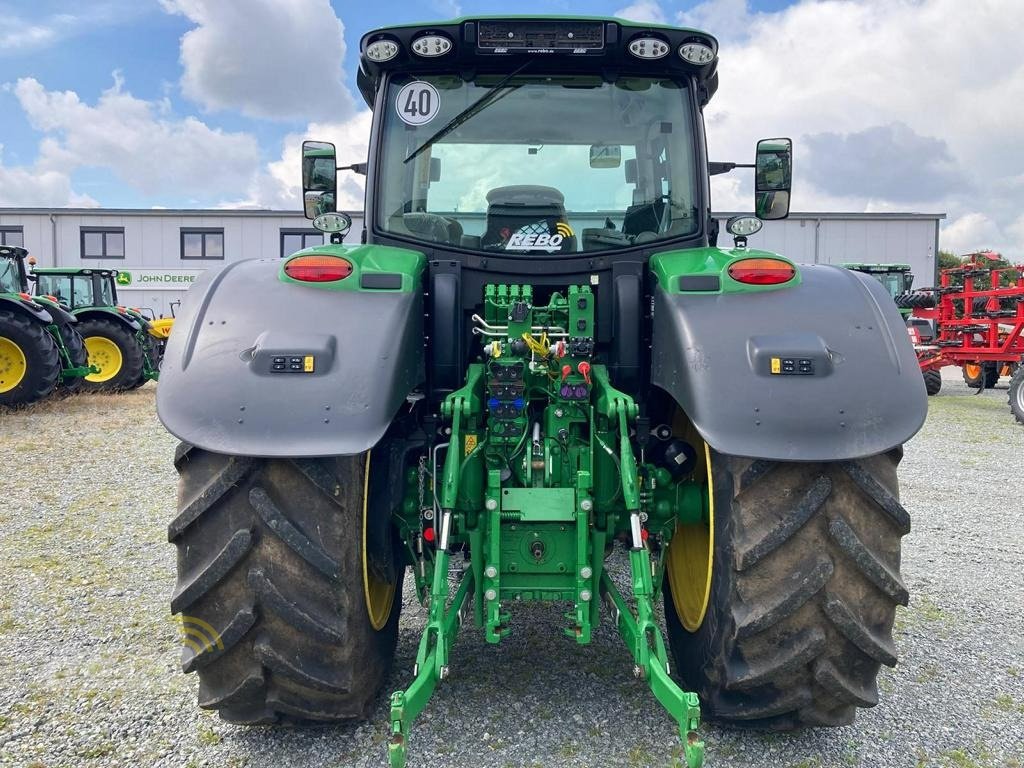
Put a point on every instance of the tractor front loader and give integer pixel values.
(124, 348)
(536, 356)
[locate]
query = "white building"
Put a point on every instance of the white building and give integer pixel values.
(160, 252)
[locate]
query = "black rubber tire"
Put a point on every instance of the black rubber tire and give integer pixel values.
(79, 357)
(1016, 394)
(804, 591)
(131, 354)
(988, 377)
(915, 299)
(42, 359)
(269, 556)
(932, 382)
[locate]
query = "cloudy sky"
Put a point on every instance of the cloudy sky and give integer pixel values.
(894, 105)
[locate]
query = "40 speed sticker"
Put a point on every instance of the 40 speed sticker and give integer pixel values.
(418, 103)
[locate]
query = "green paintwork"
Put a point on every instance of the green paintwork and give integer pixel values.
(527, 501)
(365, 259)
(68, 370)
(896, 278)
(668, 266)
(151, 350)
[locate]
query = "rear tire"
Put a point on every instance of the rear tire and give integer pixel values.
(977, 375)
(126, 371)
(1016, 395)
(932, 382)
(805, 584)
(29, 361)
(270, 570)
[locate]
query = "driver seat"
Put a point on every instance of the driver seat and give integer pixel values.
(527, 209)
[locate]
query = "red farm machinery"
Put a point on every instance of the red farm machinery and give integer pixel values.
(973, 319)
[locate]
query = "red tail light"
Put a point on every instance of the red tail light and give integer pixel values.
(26, 296)
(318, 269)
(762, 271)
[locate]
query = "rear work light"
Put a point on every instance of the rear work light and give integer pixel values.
(382, 50)
(762, 271)
(431, 45)
(318, 269)
(648, 48)
(696, 53)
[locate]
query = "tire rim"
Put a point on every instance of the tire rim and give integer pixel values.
(105, 355)
(690, 562)
(13, 365)
(973, 370)
(379, 595)
(1020, 397)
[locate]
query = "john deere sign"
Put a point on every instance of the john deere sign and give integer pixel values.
(157, 279)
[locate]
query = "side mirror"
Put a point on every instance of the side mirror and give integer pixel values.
(319, 177)
(435, 169)
(773, 178)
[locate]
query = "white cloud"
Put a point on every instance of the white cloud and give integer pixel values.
(27, 186)
(277, 59)
(152, 153)
(723, 19)
(838, 76)
(22, 32)
(643, 11)
(279, 184)
(449, 8)
(972, 232)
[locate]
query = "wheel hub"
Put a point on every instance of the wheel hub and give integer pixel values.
(105, 355)
(13, 365)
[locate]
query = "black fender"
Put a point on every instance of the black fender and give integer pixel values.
(60, 315)
(29, 309)
(855, 388)
(218, 386)
(108, 314)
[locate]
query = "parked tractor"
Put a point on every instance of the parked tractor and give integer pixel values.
(40, 346)
(124, 346)
(533, 358)
(896, 278)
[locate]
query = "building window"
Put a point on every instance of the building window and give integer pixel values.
(12, 236)
(205, 243)
(102, 242)
(293, 240)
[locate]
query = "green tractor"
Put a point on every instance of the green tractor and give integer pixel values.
(536, 377)
(123, 345)
(40, 346)
(897, 279)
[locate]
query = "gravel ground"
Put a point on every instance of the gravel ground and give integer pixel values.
(88, 649)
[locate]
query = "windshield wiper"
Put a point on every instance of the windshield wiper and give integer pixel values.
(490, 97)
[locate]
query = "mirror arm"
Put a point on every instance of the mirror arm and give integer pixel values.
(359, 168)
(715, 168)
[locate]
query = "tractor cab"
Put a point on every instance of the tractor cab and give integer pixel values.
(895, 278)
(13, 278)
(563, 151)
(77, 288)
